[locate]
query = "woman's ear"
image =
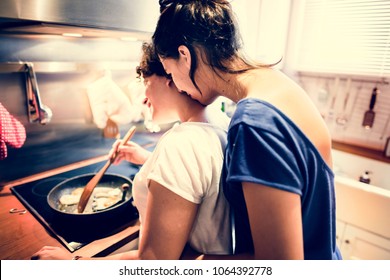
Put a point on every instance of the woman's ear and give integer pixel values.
(185, 55)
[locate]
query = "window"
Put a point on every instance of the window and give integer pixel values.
(263, 25)
(343, 36)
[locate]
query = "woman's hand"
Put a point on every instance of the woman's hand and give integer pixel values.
(131, 152)
(52, 253)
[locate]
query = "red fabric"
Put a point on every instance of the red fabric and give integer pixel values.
(12, 132)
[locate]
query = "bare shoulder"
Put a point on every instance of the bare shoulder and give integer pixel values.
(286, 95)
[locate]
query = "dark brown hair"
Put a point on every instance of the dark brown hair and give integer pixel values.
(150, 63)
(208, 25)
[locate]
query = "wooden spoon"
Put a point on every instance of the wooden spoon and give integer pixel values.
(95, 179)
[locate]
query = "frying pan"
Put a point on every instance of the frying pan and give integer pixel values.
(92, 220)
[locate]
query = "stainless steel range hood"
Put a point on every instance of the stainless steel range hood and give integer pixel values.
(91, 18)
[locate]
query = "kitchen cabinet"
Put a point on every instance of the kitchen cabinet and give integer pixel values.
(340, 227)
(356, 243)
(362, 222)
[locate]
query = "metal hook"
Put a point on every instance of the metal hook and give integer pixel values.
(16, 210)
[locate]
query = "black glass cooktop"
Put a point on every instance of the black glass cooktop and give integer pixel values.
(73, 236)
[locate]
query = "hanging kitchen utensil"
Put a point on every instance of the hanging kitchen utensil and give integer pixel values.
(111, 129)
(342, 113)
(332, 101)
(95, 179)
(385, 127)
(369, 115)
(350, 107)
(323, 95)
(108, 101)
(386, 152)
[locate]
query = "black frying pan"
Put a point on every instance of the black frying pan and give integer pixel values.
(92, 219)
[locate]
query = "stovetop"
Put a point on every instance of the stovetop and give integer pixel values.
(33, 195)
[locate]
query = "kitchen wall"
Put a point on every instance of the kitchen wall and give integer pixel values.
(64, 68)
(343, 107)
(342, 99)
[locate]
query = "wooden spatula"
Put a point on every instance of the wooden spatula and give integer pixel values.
(95, 179)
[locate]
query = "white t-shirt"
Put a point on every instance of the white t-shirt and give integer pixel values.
(188, 161)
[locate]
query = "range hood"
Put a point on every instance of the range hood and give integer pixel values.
(90, 18)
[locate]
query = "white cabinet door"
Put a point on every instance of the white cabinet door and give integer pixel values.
(360, 244)
(340, 227)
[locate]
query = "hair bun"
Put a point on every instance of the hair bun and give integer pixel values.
(164, 4)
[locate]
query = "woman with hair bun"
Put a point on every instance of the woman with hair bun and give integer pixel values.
(277, 172)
